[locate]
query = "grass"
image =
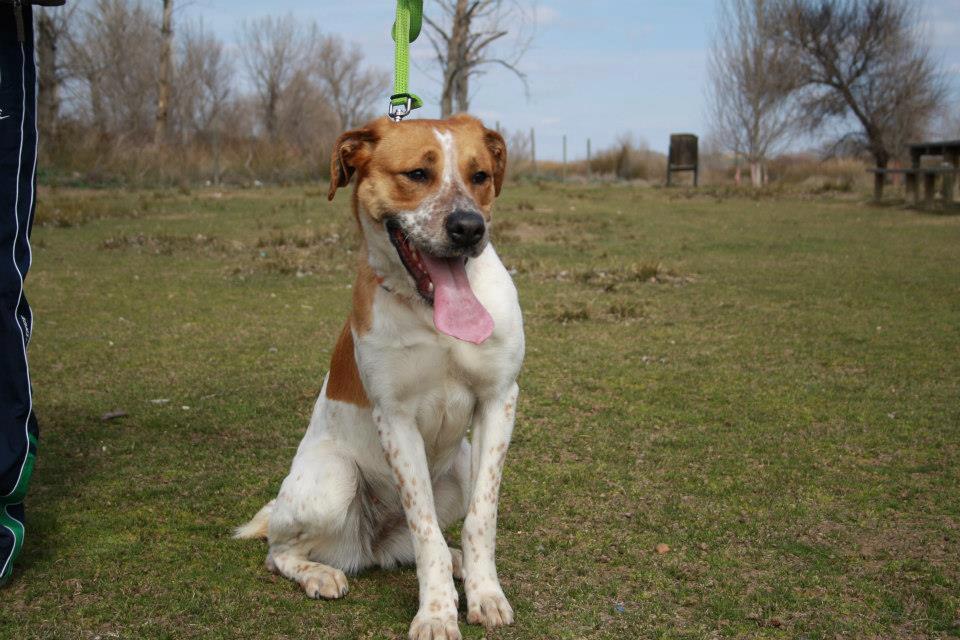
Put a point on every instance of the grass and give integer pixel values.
(770, 387)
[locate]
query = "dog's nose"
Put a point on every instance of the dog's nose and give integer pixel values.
(465, 228)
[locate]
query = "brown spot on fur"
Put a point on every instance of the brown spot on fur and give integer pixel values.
(344, 383)
(364, 288)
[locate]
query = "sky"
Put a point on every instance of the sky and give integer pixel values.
(596, 70)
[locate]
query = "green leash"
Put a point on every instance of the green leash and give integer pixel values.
(406, 28)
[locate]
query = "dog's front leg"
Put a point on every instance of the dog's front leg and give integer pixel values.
(492, 428)
(403, 446)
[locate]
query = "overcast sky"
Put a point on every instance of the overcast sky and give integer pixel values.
(596, 69)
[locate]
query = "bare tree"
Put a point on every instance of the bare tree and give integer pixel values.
(52, 31)
(946, 122)
(350, 88)
(273, 51)
(752, 110)
(863, 60)
(465, 43)
(205, 77)
(113, 53)
(164, 76)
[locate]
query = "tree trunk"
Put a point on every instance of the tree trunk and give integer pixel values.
(882, 158)
(756, 174)
(96, 107)
(271, 116)
(446, 100)
(456, 69)
(216, 156)
(462, 92)
(164, 77)
(49, 93)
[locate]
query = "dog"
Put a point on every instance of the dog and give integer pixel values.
(431, 350)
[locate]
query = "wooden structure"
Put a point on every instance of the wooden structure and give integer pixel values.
(948, 170)
(684, 156)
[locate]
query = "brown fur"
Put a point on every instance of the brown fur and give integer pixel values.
(344, 383)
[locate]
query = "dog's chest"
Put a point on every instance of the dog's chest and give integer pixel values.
(443, 415)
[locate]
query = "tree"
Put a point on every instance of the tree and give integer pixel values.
(273, 51)
(464, 45)
(113, 53)
(52, 31)
(205, 76)
(862, 60)
(752, 110)
(164, 76)
(351, 90)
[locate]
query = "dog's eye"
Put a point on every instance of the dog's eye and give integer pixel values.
(417, 175)
(479, 177)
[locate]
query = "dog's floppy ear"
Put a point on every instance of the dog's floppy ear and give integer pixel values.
(350, 151)
(498, 149)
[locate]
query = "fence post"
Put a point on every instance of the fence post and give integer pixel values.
(533, 151)
(563, 171)
(589, 168)
(946, 187)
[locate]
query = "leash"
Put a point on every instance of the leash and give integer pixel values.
(406, 28)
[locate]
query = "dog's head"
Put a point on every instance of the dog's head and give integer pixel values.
(424, 193)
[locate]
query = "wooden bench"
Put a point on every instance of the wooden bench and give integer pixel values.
(912, 177)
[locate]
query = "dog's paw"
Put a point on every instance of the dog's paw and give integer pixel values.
(435, 627)
(325, 582)
(489, 608)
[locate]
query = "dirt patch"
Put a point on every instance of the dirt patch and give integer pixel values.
(165, 244)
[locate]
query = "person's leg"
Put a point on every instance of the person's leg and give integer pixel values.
(18, 158)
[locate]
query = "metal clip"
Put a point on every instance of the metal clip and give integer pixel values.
(398, 112)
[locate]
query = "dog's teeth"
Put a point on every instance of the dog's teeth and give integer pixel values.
(430, 287)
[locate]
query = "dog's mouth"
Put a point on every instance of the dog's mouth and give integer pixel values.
(412, 260)
(443, 284)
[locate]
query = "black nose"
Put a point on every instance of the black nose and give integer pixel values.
(465, 228)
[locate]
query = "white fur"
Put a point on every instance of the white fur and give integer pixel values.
(375, 486)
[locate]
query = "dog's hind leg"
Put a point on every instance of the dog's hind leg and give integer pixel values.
(317, 579)
(315, 518)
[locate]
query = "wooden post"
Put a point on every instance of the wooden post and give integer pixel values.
(563, 170)
(589, 168)
(929, 181)
(533, 151)
(217, 171)
(911, 180)
(946, 186)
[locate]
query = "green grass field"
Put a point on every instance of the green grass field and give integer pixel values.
(769, 387)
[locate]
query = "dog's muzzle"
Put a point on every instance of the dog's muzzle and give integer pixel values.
(465, 229)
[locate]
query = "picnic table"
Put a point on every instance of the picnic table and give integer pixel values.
(947, 171)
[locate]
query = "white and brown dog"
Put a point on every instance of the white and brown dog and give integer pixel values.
(431, 350)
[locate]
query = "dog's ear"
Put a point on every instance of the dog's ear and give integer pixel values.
(498, 149)
(350, 151)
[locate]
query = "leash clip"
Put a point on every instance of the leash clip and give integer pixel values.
(398, 112)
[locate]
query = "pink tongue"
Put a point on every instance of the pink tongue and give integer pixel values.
(456, 311)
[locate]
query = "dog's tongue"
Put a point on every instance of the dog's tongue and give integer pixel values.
(456, 311)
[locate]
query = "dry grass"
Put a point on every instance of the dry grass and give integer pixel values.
(767, 386)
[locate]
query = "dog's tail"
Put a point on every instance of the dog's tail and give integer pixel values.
(257, 527)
